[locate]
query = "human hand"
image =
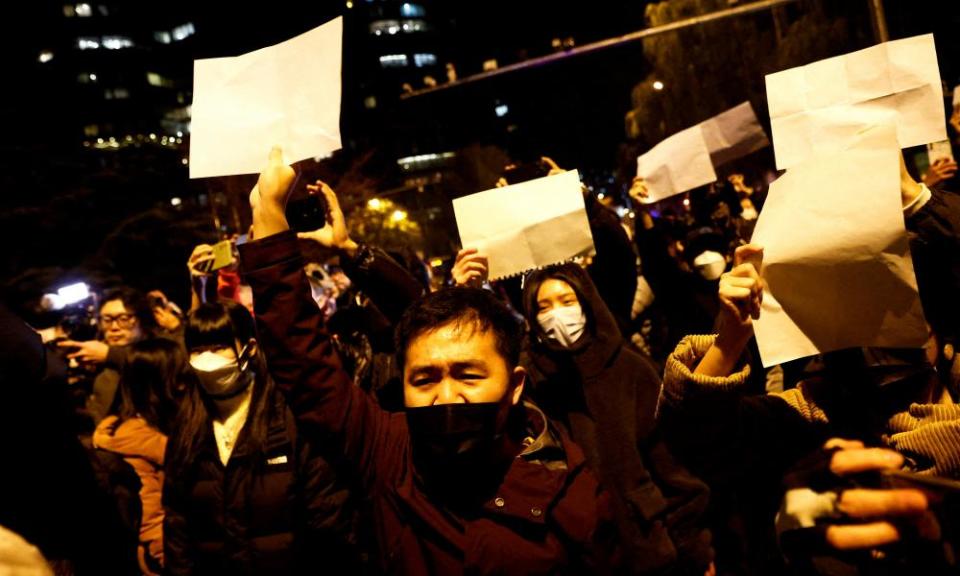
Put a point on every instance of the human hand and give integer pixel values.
(88, 352)
(268, 199)
(875, 514)
(942, 169)
(638, 190)
(334, 233)
(471, 268)
(551, 165)
(200, 261)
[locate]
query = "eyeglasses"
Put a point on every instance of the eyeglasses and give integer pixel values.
(123, 320)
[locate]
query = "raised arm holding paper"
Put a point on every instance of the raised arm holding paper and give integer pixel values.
(272, 96)
(852, 395)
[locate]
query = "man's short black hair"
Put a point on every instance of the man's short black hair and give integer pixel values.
(467, 307)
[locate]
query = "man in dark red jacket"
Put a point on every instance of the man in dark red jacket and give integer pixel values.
(468, 479)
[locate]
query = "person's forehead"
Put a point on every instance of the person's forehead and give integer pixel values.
(553, 287)
(113, 307)
(454, 342)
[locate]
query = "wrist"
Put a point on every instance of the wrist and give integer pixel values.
(720, 360)
(349, 248)
(909, 191)
(269, 220)
(732, 342)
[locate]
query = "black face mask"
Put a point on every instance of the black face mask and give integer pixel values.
(455, 447)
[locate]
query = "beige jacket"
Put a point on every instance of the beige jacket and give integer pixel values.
(925, 433)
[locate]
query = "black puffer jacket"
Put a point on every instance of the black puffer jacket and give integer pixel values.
(606, 394)
(280, 512)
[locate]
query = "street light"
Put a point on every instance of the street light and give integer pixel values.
(398, 216)
(657, 85)
(374, 203)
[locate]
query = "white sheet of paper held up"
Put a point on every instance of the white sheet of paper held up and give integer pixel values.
(836, 259)
(821, 107)
(687, 159)
(733, 134)
(286, 95)
(677, 164)
(526, 226)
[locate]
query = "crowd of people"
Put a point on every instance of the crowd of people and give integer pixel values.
(608, 415)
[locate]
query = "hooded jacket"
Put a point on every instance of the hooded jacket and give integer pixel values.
(142, 447)
(606, 394)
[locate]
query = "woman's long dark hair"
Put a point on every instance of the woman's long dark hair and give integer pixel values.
(153, 380)
(223, 323)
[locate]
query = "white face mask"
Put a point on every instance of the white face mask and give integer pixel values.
(221, 377)
(710, 264)
(564, 324)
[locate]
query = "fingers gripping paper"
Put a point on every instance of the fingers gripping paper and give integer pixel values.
(821, 107)
(836, 260)
(527, 225)
(286, 95)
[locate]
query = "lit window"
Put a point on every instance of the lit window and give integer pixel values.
(116, 42)
(411, 10)
(155, 79)
(162, 37)
(69, 11)
(370, 102)
(103, 10)
(393, 60)
(45, 56)
(84, 10)
(422, 60)
(502, 110)
(182, 32)
(116, 94)
(380, 27)
(413, 26)
(88, 43)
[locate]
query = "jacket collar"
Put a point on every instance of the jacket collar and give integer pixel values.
(537, 477)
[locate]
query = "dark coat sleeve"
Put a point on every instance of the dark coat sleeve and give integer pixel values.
(328, 512)
(727, 438)
(935, 245)
(305, 366)
(391, 287)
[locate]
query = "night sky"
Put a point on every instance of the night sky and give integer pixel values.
(572, 110)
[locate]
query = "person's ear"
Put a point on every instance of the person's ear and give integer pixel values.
(517, 379)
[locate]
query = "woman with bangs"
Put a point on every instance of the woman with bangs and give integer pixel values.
(244, 492)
